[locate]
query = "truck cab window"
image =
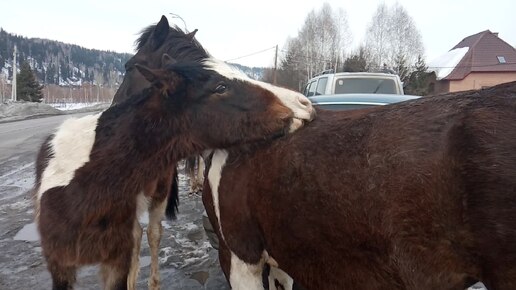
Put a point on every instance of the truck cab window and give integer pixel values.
(321, 86)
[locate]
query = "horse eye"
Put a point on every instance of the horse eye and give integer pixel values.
(220, 89)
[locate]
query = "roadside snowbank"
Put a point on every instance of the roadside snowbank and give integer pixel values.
(13, 111)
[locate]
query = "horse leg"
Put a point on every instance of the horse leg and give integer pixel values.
(135, 258)
(154, 231)
(245, 276)
(190, 172)
(200, 173)
(115, 274)
(279, 280)
(63, 277)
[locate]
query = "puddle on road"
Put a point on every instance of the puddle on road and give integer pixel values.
(29, 233)
(200, 277)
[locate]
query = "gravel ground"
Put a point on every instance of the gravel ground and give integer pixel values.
(187, 260)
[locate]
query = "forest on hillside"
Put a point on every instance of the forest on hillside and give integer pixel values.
(61, 64)
(69, 73)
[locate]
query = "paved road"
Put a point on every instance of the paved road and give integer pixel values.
(17, 137)
(186, 259)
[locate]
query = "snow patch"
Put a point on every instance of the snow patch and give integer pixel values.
(73, 106)
(13, 110)
(446, 63)
(29, 233)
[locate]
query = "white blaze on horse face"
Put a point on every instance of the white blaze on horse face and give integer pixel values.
(300, 105)
(71, 148)
(214, 175)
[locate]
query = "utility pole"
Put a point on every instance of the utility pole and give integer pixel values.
(13, 92)
(2, 89)
(274, 80)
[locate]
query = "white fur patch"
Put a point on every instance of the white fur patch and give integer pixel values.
(283, 278)
(297, 102)
(244, 276)
(214, 175)
(71, 147)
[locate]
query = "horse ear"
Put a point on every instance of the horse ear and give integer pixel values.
(149, 74)
(160, 32)
(190, 36)
(167, 60)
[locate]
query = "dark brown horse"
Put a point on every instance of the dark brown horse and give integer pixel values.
(153, 43)
(96, 174)
(417, 195)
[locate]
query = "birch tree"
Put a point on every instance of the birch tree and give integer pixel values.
(319, 45)
(392, 37)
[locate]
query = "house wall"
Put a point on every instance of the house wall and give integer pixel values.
(476, 80)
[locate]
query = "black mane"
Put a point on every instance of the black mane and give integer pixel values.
(178, 44)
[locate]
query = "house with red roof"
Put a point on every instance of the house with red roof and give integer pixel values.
(478, 61)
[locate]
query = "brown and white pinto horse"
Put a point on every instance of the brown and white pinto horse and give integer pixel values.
(97, 173)
(415, 195)
(154, 42)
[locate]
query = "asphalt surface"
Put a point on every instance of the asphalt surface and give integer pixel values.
(187, 260)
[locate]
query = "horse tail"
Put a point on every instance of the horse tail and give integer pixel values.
(173, 198)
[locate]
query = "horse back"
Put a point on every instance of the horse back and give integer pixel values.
(434, 173)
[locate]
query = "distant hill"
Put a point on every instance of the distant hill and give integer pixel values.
(89, 74)
(60, 63)
(256, 73)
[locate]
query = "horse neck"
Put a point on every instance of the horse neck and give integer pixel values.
(147, 130)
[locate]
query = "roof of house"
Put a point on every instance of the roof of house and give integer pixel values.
(481, 52)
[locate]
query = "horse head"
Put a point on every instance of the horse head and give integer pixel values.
(212, 108)
(153, 43)
(159, 41)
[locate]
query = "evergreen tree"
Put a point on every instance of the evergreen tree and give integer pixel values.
(419, 82)
(357, 62)
(27, 86)
(51, 74)
(401, 68)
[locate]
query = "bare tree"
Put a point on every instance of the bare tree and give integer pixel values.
(392, 37)
(3, 86)
(377, 35)
(323, 37)
(99, 81)
(319, 45)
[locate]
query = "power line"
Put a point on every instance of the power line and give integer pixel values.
(473, 66)
(247, 55)
(411, 66)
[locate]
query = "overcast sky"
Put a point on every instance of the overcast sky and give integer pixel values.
(231, 29)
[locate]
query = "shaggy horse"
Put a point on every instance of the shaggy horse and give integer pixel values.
(96, 174)
(154, 42)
